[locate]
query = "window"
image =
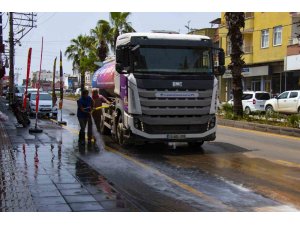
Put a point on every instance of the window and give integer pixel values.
(264, 38)
(262, 96)
(283, 95)
(293, 95)
(42, 97)
(277, 36)
(246, 96)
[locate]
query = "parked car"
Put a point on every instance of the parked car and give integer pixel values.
(78, 91)
(45, 104)
(19, 92)
(8, 92)
(287, 102)
(68, 91)
(253, 101)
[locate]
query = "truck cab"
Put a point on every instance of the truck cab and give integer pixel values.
(166, 88)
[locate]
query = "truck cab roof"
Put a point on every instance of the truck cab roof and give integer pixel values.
(140, 38)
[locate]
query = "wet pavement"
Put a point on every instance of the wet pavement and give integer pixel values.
(41, 172)
(237, 172)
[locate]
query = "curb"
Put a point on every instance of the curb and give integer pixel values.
(294, 132)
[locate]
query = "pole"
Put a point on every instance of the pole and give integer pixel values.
(1, 51)
(37, 98)
(27, 78)
(54, 98)
(38, 91)
(11, 59)
(61, 90)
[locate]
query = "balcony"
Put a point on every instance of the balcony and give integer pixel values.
(247, 49)
(249, 25)
(293, 49)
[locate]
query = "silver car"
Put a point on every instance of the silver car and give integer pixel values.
(45, 104)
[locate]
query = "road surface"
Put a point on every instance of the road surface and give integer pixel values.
(242, 170)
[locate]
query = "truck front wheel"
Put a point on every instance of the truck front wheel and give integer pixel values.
(120, 131)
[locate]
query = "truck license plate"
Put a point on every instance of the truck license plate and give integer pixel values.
(176, 136)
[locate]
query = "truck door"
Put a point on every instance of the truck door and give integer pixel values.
(282, 102)
(293, 102)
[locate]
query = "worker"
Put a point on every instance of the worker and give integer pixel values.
(98, 100)
(85, 106)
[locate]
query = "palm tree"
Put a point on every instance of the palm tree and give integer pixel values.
(102, 32)
(119, 25)
(236, 21)
(82, 53)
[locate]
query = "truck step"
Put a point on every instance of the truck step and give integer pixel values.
(107, 125)
(107, 115)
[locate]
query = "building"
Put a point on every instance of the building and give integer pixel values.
(46, 79)
(267, 36)
(291, 77)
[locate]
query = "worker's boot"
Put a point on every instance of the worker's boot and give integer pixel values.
(81, 139)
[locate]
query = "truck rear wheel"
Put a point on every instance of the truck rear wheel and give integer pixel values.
(103, 129)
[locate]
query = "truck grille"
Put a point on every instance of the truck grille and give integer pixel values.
(175, 110)
(157, 106)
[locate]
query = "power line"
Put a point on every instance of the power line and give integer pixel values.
(53, 14)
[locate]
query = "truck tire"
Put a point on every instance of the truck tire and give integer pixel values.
(103, 129)
(119, 132)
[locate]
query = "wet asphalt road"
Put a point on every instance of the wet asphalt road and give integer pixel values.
(240, 171)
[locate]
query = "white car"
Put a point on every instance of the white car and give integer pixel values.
(45, 104)
(78, 91)
(286, 102)
(253, 101)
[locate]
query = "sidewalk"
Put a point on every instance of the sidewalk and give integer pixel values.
(40, 173)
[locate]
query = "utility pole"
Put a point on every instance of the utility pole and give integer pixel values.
(24, 22)
(2, 68)
(11, 59)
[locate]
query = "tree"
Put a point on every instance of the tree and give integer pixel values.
(119, 25)
(82, 52)
(236, 21)
(102, 32)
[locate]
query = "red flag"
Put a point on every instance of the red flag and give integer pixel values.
(38, 86)
(61, 82)
(27, 78)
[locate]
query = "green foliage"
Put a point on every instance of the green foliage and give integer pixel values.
(294, 120)
(274, 118)
(228, 111)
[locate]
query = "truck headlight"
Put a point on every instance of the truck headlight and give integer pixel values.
(138, 124)
(211, 123)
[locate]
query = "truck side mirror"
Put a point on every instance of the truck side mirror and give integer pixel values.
(119, 68)
(219, 70)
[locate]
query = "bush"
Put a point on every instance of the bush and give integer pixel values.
(228, 111)
(294, 120)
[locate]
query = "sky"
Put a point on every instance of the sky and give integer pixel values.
(58, 29)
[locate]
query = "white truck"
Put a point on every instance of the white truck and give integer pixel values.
(163, 87)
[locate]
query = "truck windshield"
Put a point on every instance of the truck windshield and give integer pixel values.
(172, 60)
